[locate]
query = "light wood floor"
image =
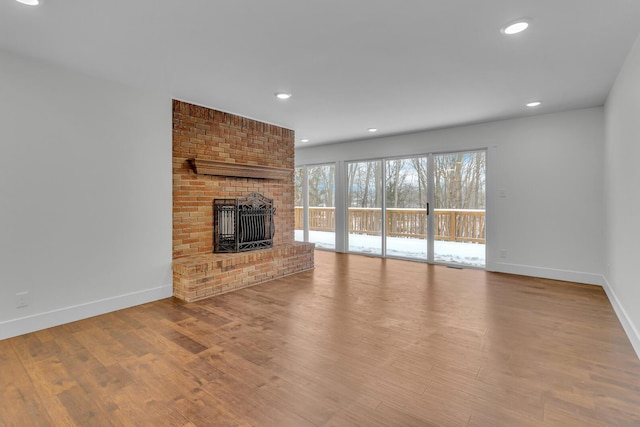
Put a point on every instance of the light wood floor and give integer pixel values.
(358, 341)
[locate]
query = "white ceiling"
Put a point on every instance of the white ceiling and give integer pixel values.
(399, 66)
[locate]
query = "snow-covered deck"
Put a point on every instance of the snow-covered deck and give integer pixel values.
(472, 254)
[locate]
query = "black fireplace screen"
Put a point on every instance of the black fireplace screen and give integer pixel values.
(243, 224)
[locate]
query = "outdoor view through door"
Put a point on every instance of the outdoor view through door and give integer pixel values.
(387, 202)
(459, 202)
(406, 207)
(320, 197)
(364, 206)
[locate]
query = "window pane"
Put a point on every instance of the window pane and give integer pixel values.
(322, 222)
(298, 204)
(460, 208)
(406, 207)
(364, 198)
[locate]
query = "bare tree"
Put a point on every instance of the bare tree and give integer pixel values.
(298, 179)
(460, 180)
(321, 185)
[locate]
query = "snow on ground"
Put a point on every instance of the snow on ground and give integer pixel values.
(447, 252)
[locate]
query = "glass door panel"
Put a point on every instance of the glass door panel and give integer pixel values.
(406, 207)
(364, 207)
(322, 219)
(459, 202)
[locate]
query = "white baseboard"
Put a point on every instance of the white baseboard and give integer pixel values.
(632, 332)
(36, 322)
(549, 273)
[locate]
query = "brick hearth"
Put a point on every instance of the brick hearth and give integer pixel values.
(214, 136)
(201, 276)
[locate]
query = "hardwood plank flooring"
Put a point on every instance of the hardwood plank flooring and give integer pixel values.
(358, 341)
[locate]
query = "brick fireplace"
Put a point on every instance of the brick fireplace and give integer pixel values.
(218, 155)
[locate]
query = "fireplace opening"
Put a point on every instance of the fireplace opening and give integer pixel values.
(243, 224)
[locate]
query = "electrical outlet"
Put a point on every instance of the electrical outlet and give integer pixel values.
(503, 253)
(22, 299)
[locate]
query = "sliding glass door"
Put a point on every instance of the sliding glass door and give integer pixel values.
(387, 207)
(406, 200)
(429, 207)
(364, 207)
(459, 202)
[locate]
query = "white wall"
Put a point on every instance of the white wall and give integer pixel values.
(85, 195)
(622, 195)
(551, 168)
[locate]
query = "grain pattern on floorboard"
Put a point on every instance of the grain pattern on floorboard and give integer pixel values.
(357, 341)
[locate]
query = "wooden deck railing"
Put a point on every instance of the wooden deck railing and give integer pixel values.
(457, 225)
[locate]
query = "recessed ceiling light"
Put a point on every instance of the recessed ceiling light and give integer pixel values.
(304, 140)
(515, 27)
(372, 130)
(534, 104)
(29, 2)
(283, 95)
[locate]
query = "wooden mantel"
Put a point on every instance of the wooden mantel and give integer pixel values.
(238, 170)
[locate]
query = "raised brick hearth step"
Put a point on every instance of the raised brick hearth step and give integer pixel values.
(197, 277)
